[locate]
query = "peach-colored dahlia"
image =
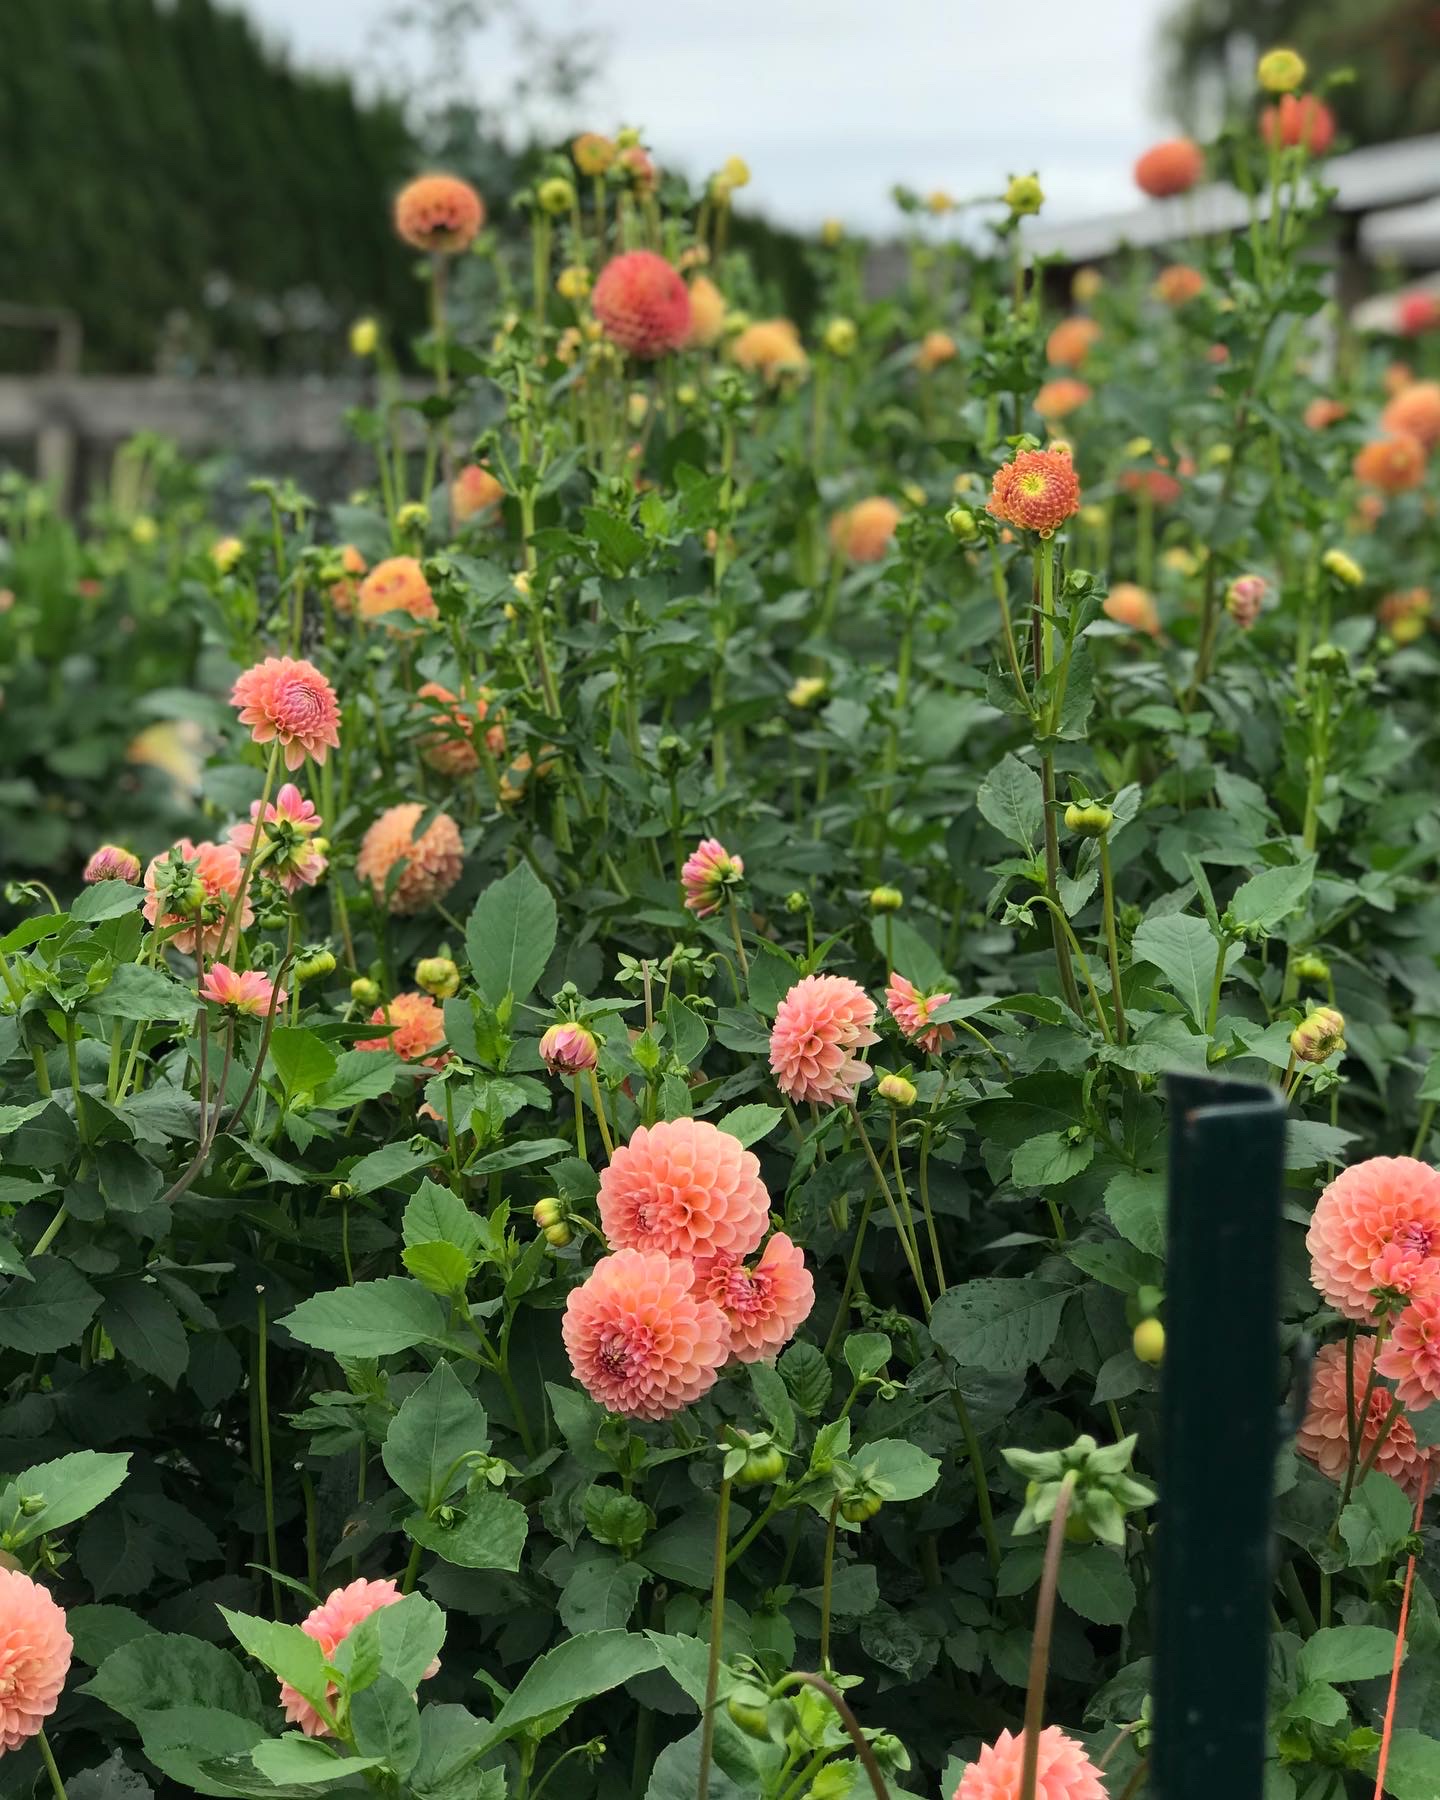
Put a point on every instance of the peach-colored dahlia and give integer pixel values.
(1179, 284)
(473, 491)
(1159, 486)
(1071, 342)
(1063, 1772)
(1323, 412)
(219, 868)
(112, 862)
(1415, 412)
(641, 1340)
(1394, 464)
(709, 873)
(330, 1624)
(863, 533)
(1384, 1201)
(593, 153)
(568, 1049)
(1057, 399)
(439, 213)
(1299, 121)
(291, 823)
(418, 1029)
(394, 586)
(289, 700)
(35, 1650)
(1405, 614)
(936, 347)
(642, 303)
(450, 748)
(766, 1303)
(1171, 167)
(817, 1025)
(1244, 598)
(686, 1188)
(707, 312)
(910, 1008)
(1038, 491)
(343, 591)
(769, 347)
(1130, 605)
(432, 865)
(252, 992)
(1412, 1357)
(1324, 1437)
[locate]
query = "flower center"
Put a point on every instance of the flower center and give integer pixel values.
(624, 1351)
(1414, 1238)
(1032, 485)
(299, 703)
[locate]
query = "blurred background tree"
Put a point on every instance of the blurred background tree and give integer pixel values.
(1393, 47)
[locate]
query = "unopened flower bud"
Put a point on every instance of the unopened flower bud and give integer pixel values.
(832, 232)
(896, 1089)
(1344, 568)
(963, 526)
(32, 1504)
(111, 862)
(806, 690)
(1329, 657)
(1024, 195)
(1320, 1036)
(556, 195)
(749, 1708)
(841, 337)
(364, 337)
(438, 976)
(314, 963)
(1311, 967)
(365, 992)
(1148, 1341)
(1280, 71)
(859, 1507)
(413, 516)
(886, 899)
(568, 1049)
(573, 283)
(548, 1212)
(342, 1190)
(558, 1236)
(225, 553)
(1088, 818)
(797, 902)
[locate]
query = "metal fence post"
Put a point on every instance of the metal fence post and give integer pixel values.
(1217, 1459)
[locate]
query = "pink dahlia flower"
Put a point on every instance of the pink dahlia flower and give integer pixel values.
(35, 1652)
(440, 213)
(112, 863)
(1384, 1201)
(249, 993)
(641, 1341)
(219, 868)
(818, 1023)
(330, 1624)
(710, 871)
(642, 303)
(1412, 1357)
(684, 1188)
(568, 1049)
(1324, 1437)
(1244, 597)
(911, 1010)
(291, 701)
(765, 1304)
(419, 1028)
(291, 821)
(432, 864)
(1063, 1772)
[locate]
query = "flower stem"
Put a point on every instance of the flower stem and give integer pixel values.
(600, 1118)
(272, 1550)
(739, 942)
(47, 1756)
(579, 1122)
(1040, 1642)
(827, 1584)
(717, 1639)
(1112, 947)
(905, 1229)
(982, 1485)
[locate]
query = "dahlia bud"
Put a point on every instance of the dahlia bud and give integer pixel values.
(805, 691)
(736, 171)
(569, 1049)
(438, 976)
(1280, 71)
(32, 1504)
(797, 902)
(548, 1212)
(593, 153)
(832, 232)
(963, 526)
(342, 1190)
(1148, 1341)
(225, 553)
(365, 992)
(1088, 818)
(558, 1236)
(573, 283)
(760, 1468)
(1319, 1036)
(627, 138)
(886, 899)
(860, 1506)
(687, 393)
(112, 863)
(144, 530)
(749, 1709)
(1344, 568)
(1311, 967)
(1024, 195)
(313, 963)
(1092, 517)
(1243, 598)
(1330, 657)
(841, 337)
(1139, 446)
(636, 407)
(364, 337)
(1086, 284)
(556, 195)
(414, 515)
(896, 1089)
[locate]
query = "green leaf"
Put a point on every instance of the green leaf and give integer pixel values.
(434, 1214)
(390, 1164)
(510, 935)
(1260, 903)
(1185, 952)
(576, 1670)
(772, 975)
(1049, 1159)
(105, 900)
(1413, 1771)
(303, 1061)
(69, 1487)
(751, 1123)
(298, 1759)
(600, 1595)
(1013, 801)
(686, 1030)
(1347, 1653)
(155, 1672)
(145, 1328)
(49, 1313)
(998, 1324)
(903, 1467)
(285, 1650)
(359, 1075)
(372, 1318)
(774, 1400)
(412, 1632)
(138, 992)
(1310, 1142)
(1136, 1204)
(866, 1353)
(914, 956)
(440, 1424)
(489, 1534)
(807, 1375)
(1095, 1583)
(386, 1723)
(442, 1268)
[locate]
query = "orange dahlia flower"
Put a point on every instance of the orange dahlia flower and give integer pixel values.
(1393, 464)
(1415, 412)
(1071, 342)
(1178, 284)
(707, 312)
(417, 1029)
(1039, 490)
(1376, 1225)
(1323, 412)
(394, 586)
(1059, 398)
(936, 347)
(1063, 1770)
(818, 1024)
(343, 591)
(439, 213)
(765, 1304)
(1171, 167)
(641, 1340)
(35, 1652)
(431, 864)
(911, 1008)
(1324, 1437)
(450, 748)
(1128, 604)
(330, 1624)
(287, 701)
(1299, 122)
(863, 533)
(770, 347)
(473, 491)
(684, 1188)
(643, 304)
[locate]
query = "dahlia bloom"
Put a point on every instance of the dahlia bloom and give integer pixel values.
(593, 153)
(1038, 491)
(432, 864)
(770, 347)
(818, 1024)
(1179, 284)
(765, 1304)
(1158, 485)
(1128, 604)
(439, 213)
(397, 585)
(289, 701)
(1059, 398)
(1063, 1771)
(1416, 313)
(641, 1341)
(1415, 412)
(1071, 342)
(710, 871)
(707, 312)
(568, 1049)
(911, 1010)
(35, 1650)
(1405, 615)
(1386, 1200)
(291, 822)
(330, 1624)
(1412, 1357)
(936, 347)
(684, 1188)
(1393, 464)
(863, 533)
(1324, 1437)
(112, 862)
(251, 993)
(473, 491)
(1243, 599)
(418, 1029)
(643, 304)
(1322, 412)
(1299, 122)
(219, 868)
(1171, 167)
(450, 747)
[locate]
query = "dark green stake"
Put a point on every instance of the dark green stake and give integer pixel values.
(1213, 1573)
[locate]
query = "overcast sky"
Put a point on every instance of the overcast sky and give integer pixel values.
(833, 101)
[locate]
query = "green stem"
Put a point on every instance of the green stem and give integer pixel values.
(51, 1231)
(47, 1756)
(267, 1471)
(827, 1584)
(1112, 947)
(1040, 1642)
(905, 1227)
(717, 1638)
(982, 1485)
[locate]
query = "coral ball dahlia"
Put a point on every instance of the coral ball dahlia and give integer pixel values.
(432, 863)
(818, 1024)
(641, 1340)
(397, 585)
(684, 1188)
(1038, 491)
(289, 701)
(1171, 167)
(439, 212)
(1376, 1225)
(417, 1029)
(35, 1650)
(1063, 1772)
(766, 1303)
(330, 1624)
(1324, 1436)
(643, 304)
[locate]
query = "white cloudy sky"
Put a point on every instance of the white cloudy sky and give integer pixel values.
(832, 101)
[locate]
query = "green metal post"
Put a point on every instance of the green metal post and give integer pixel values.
(1218, 1423)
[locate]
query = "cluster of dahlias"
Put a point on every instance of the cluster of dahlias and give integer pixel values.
(1374, 1245)
(683, 1207)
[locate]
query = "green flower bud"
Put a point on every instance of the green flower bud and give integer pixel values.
(886, 899)
(1311, 967)
(548, 1212)
(365, 992)
(556, 196)
(438, 976)
(896, 1089)
(1148, 1341)
(859, 1507)
(760, 1468)
(1320, 1036)
(1024, 195)
(311, 964)
(1088, 818)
